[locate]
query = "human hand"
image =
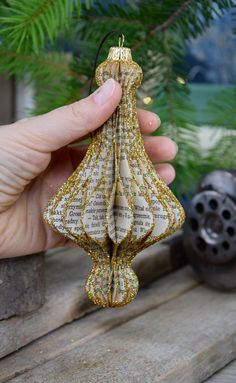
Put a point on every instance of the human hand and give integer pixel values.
(34, 163)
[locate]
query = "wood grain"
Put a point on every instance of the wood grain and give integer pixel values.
(65, 300)
(66, 271)
(182, 341)
(226, 375)
(83, 330)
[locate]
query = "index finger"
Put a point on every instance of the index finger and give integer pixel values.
(148, 121)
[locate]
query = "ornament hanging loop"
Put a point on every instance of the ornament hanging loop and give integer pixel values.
(121, 40)
(121, 43)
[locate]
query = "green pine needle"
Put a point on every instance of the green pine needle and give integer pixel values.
(28, 25)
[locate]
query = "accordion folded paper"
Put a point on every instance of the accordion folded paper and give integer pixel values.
(114, 205)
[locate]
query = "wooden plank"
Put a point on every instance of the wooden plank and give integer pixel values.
(185, 340)
(66, 272)
(65, 300)
(226, 375)
(79, 332)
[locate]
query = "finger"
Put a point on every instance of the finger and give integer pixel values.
(166, 171)
(58, 128)
(160, 149)
(148, 121)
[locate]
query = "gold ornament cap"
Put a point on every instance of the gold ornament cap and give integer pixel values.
(119, 53)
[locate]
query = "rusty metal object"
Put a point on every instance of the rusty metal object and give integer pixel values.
(210, 231)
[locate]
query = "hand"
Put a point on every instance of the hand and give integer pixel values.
(34, 163)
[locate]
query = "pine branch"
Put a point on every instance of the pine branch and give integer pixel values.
(222, 108)
(27, 25)
(168, 82)
(46, 66)
(171, 19)
(189, 18)
(223, 155)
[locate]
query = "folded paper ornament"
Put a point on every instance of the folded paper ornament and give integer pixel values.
(115, 205)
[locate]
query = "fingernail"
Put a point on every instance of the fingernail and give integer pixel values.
(102, 94)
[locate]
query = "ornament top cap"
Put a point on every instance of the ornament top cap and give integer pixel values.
(119, 53)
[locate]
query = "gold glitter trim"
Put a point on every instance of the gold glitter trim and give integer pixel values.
(115, 205)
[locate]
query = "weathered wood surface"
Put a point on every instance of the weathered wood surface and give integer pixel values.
(184, 340)
(226, 375)
(80, 332)
(22, 287)
(65, 300)
(65, 274)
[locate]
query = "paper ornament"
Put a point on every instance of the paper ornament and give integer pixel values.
(115, 205)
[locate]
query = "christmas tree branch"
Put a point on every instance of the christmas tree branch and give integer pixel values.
(115, 19)
(27, 26)
(39, 11)
(171, 19)
(34, 61)
(168, 85)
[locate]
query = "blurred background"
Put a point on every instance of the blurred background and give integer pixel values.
(185, 48)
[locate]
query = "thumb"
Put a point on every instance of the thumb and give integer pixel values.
(61, 126)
